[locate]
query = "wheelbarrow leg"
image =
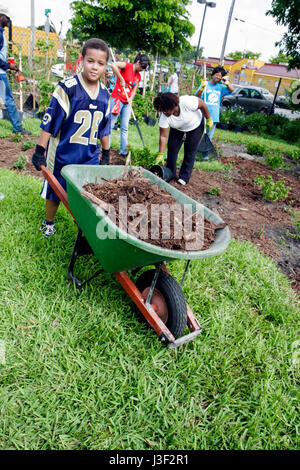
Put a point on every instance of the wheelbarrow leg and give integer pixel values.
(81, 247)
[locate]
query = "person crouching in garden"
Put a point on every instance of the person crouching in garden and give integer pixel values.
(184, 116)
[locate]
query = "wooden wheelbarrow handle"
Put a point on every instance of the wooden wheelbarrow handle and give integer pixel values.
(57, 187)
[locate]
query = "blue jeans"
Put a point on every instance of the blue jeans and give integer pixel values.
(210, 135)
(9, 101)
(125, 112)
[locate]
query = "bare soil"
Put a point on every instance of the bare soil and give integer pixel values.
(240, 203)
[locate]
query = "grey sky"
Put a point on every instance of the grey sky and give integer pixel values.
(258, 33)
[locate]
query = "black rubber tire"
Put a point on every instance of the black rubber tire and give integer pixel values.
(226, 104)
(173, 296)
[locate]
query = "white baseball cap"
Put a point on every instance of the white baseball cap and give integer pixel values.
(4, 11)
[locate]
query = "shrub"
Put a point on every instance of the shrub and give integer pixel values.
(28, 144)
(256, 122)
(274, 160)
(143, 157)
(272, 190)
(290, 131)
(214, 191)
(255, 148)
(17, 138)
(20, 162)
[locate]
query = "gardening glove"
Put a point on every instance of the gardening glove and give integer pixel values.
(202, 86)
(38, 158)
(226, 80)
(159, 158)
(209, 124)
(105, 157)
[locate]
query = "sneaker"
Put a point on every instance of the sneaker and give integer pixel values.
(180, 181)
(49, 230)
(43, 224)
(23, 132)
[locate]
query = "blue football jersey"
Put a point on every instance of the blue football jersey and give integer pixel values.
(76, 118)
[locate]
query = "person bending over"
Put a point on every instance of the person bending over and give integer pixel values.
(184, 116)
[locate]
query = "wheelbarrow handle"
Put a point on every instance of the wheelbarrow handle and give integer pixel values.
(57, 187)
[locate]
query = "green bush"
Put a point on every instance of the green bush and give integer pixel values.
(28, 144)
(20, 162)
(290, 131)
(256, 148)
(214, 191)
(274, 160)
(272, 190)
(17, 138)
(143, 157)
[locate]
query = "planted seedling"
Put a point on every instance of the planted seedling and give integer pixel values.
(272, 190)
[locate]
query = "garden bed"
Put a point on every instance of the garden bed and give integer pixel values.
(239, 202)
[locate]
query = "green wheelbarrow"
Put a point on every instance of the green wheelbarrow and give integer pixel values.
(156, 294)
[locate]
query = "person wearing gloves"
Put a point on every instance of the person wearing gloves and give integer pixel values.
(212, 93)
(184, 116)
(5, 89)
(78, 115)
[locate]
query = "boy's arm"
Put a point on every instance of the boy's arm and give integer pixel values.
(38, 158)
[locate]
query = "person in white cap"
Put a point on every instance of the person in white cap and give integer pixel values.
(5, 89)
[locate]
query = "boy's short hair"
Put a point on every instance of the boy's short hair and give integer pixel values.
(165, 102)
(95, 43)
(218, 69)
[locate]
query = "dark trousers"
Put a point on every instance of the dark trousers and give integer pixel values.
(190, 149)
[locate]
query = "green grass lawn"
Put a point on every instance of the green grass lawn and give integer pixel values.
(78, 370)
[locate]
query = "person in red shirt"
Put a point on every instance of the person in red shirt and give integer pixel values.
(128, 77)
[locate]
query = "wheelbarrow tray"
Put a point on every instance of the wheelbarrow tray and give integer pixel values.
(119, 251)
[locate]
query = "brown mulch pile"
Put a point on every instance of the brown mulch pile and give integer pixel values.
(181, 230)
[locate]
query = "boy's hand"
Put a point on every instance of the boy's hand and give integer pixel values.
(209, 124)
(38, 158)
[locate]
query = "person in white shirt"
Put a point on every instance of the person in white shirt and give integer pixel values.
(173, 83)
(184, 117)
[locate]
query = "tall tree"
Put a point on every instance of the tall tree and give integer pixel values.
(286, 13)
(151, 25)
(238, 55)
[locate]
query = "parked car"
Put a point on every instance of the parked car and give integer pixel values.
(282, 102)
(249, 98)
(266, 94)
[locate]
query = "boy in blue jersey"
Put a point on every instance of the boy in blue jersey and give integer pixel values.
(212, 93)
(78, 115)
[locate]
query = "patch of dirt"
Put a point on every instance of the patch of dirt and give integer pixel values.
(239, 204)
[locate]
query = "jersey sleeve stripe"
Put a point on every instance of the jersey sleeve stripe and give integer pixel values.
(62, 99)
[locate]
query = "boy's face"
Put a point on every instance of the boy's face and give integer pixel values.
(94, 64)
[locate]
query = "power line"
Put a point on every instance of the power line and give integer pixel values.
(257, 26)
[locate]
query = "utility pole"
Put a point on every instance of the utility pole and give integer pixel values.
(32, 34)
(226, 32)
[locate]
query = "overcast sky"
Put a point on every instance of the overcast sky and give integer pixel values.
(259, 32)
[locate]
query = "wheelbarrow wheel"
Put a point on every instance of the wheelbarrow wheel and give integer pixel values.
(167, 300)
